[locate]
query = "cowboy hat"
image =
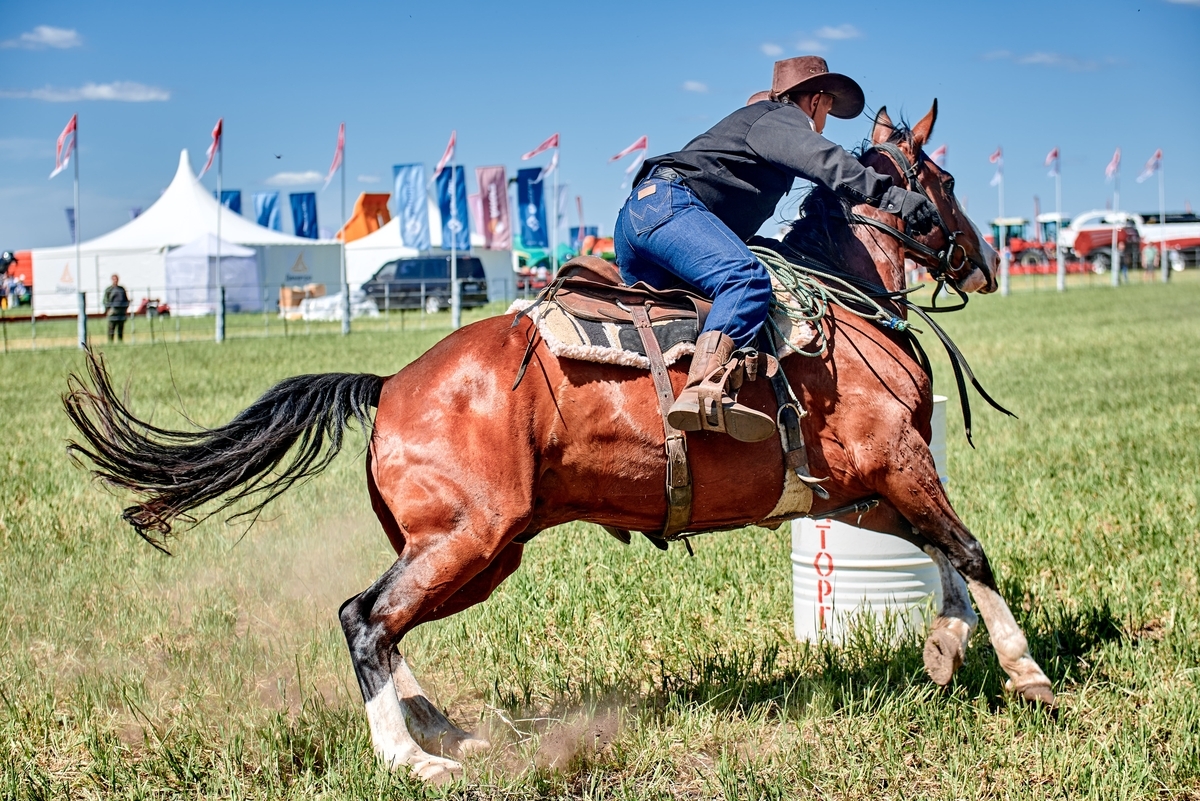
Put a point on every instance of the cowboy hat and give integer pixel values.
(811, 74)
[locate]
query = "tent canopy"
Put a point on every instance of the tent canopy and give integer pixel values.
(206, 245)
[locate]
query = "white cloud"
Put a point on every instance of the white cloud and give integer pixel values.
(123, 91)
(771, 49)
(44, 36)
(1043, 58)
(695, 86)
(368, 179)
(1185, 2)
(295, 178)
(811, 46)
(846, 31)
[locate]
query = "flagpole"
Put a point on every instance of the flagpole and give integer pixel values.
(1061, 271)
(455, 295)
(220, 332)
(345, 284)
(1162, 220)
(554, 224)
(82, 322)
(1116, 256)
(1000, 231)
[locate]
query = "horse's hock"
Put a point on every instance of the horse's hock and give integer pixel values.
(844, 576)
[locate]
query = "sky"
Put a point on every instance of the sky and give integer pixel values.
(148, 79)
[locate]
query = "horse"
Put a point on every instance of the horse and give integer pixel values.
(463, 471)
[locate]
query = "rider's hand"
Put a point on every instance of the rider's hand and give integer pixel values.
(914, 208)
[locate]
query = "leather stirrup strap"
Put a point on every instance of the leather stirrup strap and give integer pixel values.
(788, 416)
(679, 475)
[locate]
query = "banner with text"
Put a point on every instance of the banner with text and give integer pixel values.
(412, 205)
(456, 215)
(495, 223)
(531, 207)
(304, 214)
(266, 210)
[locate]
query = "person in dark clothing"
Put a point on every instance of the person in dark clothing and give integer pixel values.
(116, 305)
(691, 212)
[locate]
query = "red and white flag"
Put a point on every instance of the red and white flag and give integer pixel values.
(1114, 166)
(997, 158)
(495, 224)
(213, 148)
(337, 155)
(1052, 162)
(66, 145)
(449, 154)
(1152, 166)
(542, 148)
(641, 143)
(938, 156)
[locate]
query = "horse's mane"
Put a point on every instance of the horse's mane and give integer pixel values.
(822, 211)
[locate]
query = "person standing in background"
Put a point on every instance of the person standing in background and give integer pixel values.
(116, 306)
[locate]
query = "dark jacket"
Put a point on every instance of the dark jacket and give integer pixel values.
(116, 302)
(743, 166)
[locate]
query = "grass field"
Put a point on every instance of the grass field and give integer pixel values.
(603, 671)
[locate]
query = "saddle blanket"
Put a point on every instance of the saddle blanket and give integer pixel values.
(607, 342)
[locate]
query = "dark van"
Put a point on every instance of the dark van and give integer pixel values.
(424, 283)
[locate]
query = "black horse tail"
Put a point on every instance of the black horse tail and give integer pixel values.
(174, 472)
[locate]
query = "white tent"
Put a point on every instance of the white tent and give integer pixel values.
(191, 277)
(365, 256)
(186, 212)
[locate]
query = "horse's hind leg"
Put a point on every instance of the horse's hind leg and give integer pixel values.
(917, 494)
(425, 577)
(426, 722)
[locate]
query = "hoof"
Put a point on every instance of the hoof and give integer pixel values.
(1036, 693)
(436, 770)
(943, 656)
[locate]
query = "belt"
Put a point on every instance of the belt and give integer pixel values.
(667, 174)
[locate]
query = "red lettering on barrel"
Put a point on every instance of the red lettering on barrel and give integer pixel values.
(826, 558)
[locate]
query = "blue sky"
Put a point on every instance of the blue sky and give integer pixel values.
(150, 78)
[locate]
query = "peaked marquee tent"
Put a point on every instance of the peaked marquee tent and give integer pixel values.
(191, 277)
(137, 251)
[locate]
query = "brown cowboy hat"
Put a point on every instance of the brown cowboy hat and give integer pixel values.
(811, 74)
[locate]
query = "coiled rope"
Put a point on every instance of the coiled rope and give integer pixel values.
(811, 289)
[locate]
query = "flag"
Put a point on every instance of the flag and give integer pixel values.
(304, 214)
(1114, 166)
(495, 224)
(71, 222)
(456, 214)
(532, 208)
(1052, 162)
(542, 148)
(475, 204)
(266, 210)
(449, 154)
(938, 157)
(549, 168)
(62, 156)
(579, 233)
(412, 205)
(997, 158)
(641, 143)
(337, 155)
(231, 199)
(1152, 166)
(213, 148)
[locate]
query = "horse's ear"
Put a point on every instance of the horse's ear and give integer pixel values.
(922, 130)
(883, 127)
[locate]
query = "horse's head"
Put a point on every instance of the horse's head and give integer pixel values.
(954, 250)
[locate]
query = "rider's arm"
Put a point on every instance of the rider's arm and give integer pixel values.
(784, 137)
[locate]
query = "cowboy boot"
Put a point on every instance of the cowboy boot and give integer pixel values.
(708, 401)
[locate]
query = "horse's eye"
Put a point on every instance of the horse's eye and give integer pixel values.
(949, 185)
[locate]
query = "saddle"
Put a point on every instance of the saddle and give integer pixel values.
(588, 314)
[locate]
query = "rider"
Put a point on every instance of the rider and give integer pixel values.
(691, 213)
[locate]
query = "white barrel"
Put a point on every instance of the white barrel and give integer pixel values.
(841, 573)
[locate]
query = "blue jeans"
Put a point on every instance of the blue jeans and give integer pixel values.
(666, 237)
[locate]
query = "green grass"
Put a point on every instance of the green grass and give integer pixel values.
(604, 671)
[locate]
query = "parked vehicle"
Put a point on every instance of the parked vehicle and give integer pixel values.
(424, 283)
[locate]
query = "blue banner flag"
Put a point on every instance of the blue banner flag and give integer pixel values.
(531, 208)
(304, 214)
(71, 222)
(266, 210)
(456, 222)
(231, 199)
(576, 238)
(412, 205)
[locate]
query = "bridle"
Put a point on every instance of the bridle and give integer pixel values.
(940, 263)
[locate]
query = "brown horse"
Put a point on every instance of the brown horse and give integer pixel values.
(463, 471)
